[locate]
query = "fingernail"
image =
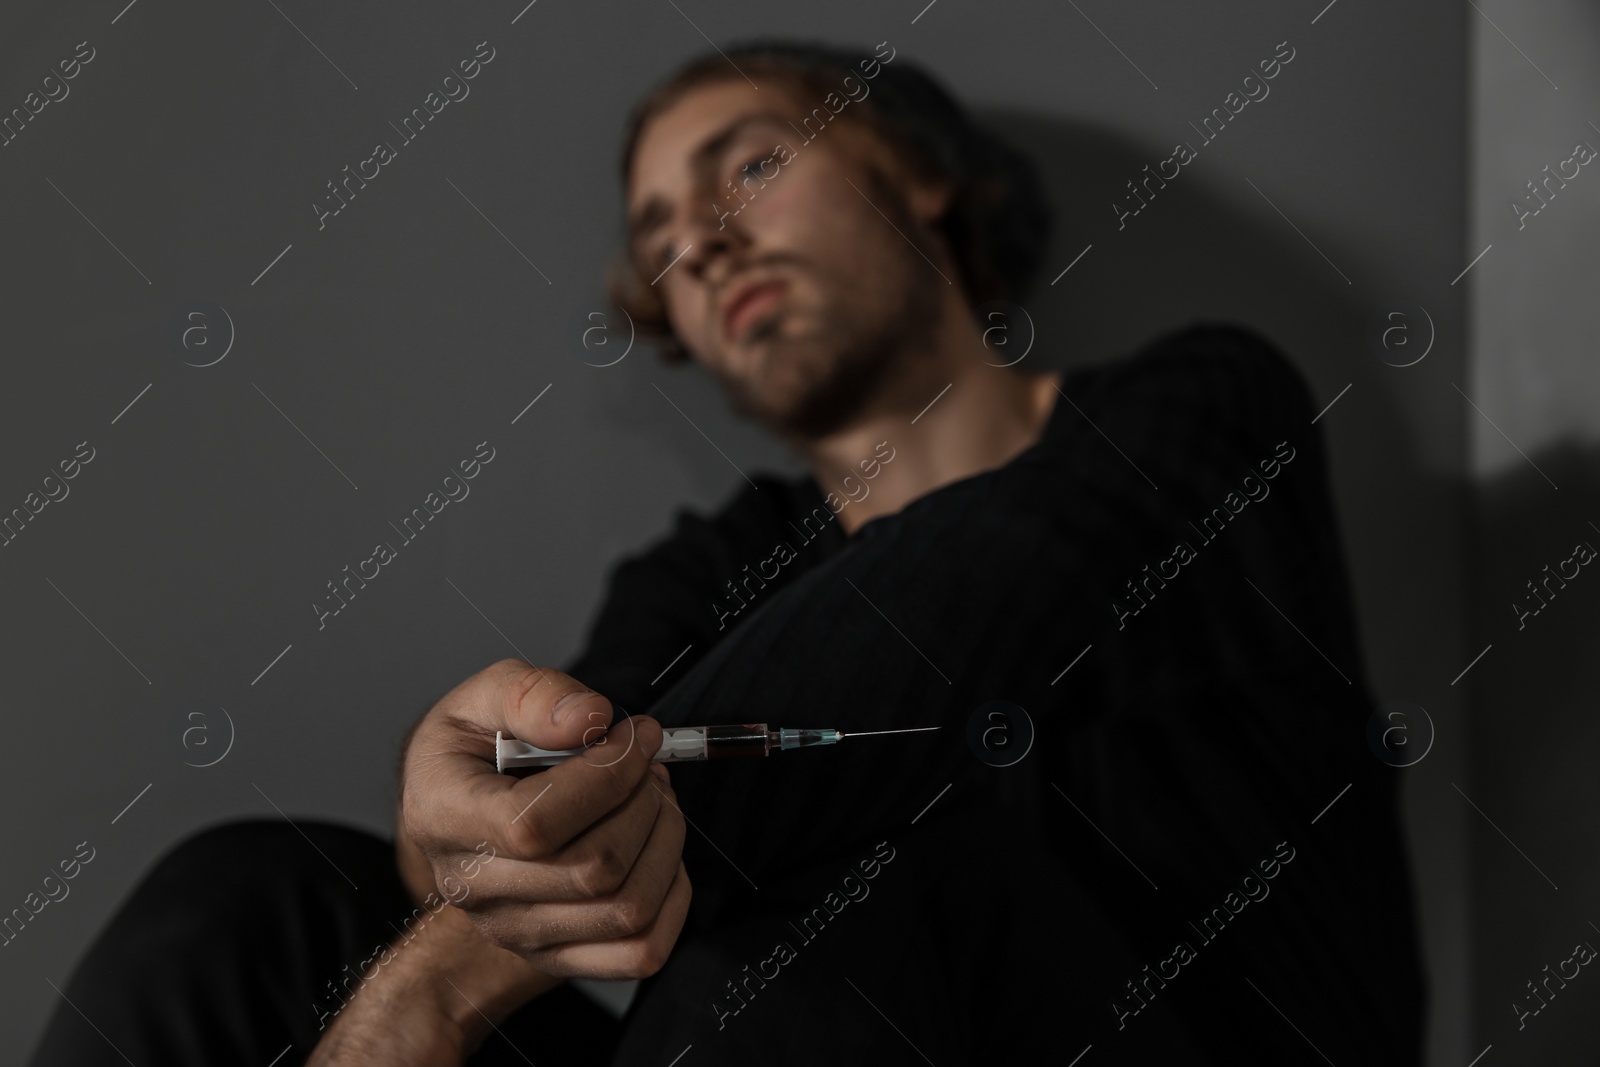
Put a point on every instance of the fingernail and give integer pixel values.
(564, 707)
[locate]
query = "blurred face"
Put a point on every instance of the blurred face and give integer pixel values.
(790, 288)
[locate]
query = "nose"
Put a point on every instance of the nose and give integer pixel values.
(712, 235)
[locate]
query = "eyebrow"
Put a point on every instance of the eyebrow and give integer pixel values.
(655, 210)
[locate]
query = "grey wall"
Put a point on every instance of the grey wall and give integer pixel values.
(378, 351)
(1534, 318)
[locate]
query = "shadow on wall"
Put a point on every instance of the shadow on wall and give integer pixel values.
(1536, 735)
(1192, 252)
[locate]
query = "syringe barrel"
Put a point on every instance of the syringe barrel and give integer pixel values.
(681, 744)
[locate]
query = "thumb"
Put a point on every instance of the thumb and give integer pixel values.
(551, 709)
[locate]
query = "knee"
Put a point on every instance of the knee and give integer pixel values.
(254, 865)
(231, 852)
(222, 844)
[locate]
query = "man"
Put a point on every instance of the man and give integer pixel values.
(1146, 825)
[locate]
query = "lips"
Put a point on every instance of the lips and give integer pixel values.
(747, 301)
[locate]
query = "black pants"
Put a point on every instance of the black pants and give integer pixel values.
(224, 952)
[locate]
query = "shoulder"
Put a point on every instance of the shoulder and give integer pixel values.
(660, 607)
(1211, 386)
(1213, 362)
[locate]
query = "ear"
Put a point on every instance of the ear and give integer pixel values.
(927, 196)
(929, 200)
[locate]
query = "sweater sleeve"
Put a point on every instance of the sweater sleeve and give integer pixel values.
(664, 606)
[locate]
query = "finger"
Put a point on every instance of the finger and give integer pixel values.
(619, 905)
(594, 864)
(521, 700)
(550, 709)
(606, 905)
(542, 817)
(638, 956)
(453, 797)
(597, 862)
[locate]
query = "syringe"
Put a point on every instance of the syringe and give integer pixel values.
(681, 744)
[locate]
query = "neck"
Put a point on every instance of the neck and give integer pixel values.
(985, 418)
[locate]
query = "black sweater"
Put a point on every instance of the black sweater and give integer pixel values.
(1146, 878)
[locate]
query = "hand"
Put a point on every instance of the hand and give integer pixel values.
(588, 878)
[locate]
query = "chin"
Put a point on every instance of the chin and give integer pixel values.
(802, 409)
(791, 385)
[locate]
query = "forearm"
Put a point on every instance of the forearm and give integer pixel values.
(432, 998)
(477, 982)
(434, 991)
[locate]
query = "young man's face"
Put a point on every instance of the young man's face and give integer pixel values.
(844, 295)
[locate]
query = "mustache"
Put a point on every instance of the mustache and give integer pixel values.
(772, 263)
(777, 264)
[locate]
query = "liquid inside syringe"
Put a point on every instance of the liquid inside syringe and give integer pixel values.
(681, 744)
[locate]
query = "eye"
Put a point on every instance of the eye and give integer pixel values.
(665, 255)
(754, 163)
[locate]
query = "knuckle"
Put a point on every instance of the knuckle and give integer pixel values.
(553, 963)
(473, 906)
(649, 738)
(493, 928)
(669, 813)
(488, 927)
(527, 839)
(614, 779)
(451, 888)
(602, 874)
(660, 781)
(480, 908)
(630, 916)
(648, 958)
